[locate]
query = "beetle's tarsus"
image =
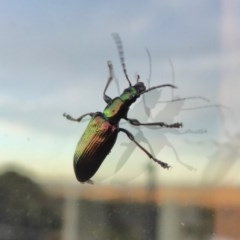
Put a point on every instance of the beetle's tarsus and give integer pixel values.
(77, 119)
(110, 65)
(67, 116)
(163, 164)
(175, 125)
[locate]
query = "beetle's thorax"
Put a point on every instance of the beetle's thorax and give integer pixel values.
(119, 106)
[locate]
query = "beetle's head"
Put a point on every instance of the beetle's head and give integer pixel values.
(140, 88)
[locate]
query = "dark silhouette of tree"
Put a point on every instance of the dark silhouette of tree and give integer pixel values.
(26, 211)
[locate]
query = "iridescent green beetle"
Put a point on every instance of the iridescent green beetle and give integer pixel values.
(103, 128)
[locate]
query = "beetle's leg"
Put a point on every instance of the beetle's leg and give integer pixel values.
(106, 98)
(79, 119)
(131, 137)
(135, 122)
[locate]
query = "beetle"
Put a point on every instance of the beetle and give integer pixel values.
(103, 127)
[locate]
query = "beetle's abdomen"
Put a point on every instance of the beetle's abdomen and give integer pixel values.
(94, 145)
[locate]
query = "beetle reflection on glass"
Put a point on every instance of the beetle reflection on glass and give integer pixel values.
(103, 128)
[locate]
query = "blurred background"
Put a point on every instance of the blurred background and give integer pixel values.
(53, 59)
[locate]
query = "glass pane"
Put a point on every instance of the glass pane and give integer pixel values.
(60, 57)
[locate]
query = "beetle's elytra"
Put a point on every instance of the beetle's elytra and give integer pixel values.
(103, 128)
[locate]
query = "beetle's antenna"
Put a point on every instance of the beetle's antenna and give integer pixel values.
(208, 106)
(173, 75)
(185, 98)
(159, 86)
(119, 45)
(147, 110)
(150, 67)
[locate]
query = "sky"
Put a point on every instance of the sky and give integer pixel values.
(53, 59)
